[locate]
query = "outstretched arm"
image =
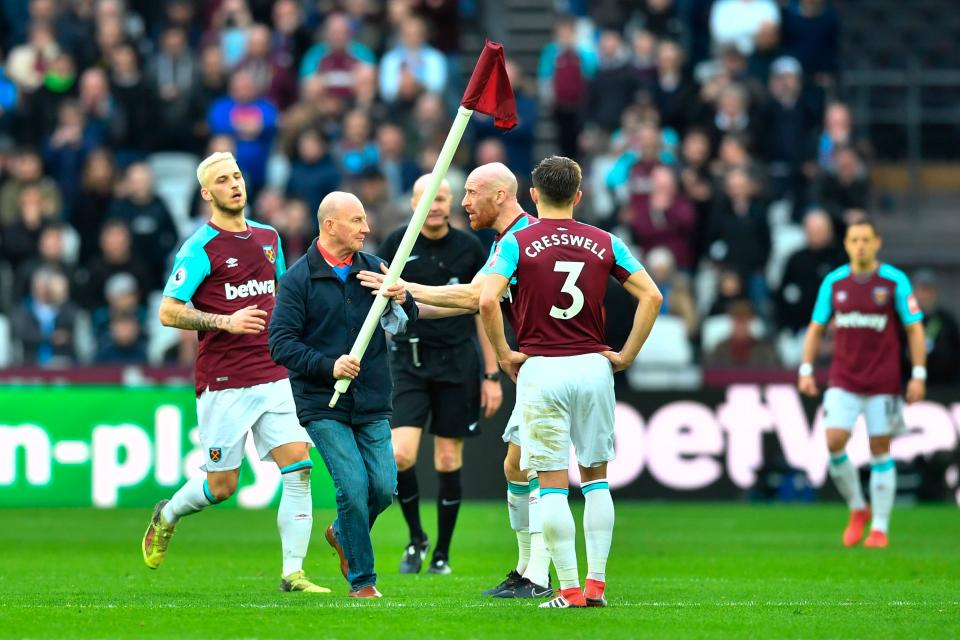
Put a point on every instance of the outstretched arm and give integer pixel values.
(451, 296)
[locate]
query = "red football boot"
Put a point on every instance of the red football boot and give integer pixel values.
(876, 540)
(568, 598)
(593, 593)
(855, 527)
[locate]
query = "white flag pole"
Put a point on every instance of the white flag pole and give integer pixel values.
(372, 321)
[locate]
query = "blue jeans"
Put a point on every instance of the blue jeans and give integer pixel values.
(360, 461)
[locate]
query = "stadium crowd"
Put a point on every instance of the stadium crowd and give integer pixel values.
(712, 135)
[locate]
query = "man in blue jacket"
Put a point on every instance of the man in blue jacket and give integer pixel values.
(320, 309)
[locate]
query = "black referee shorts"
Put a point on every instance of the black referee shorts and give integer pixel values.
(442, 394)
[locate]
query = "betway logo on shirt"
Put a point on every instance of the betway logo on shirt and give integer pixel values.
(251, 288)
(564, 239)
(857, 320)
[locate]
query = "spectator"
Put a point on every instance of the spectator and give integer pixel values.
(789, 122)
(742, 349)
(673, 93)
(443, 20)
(97, 104)
(615, 85)
(940, 327)
(66, 149)
(252, 121)
(401, 171)
(383, 214)
(228, 28)
(337, 58)
(490, 150)
(90, 207)
(430, 124)
(518, 142)
(115, 257)
(843, 191)
(734, 153)
(805, 270)
(740, 234)
(28, 63)
(151, 226)
(675, 287)
(134, 117)
(732, 116)
(660, 18)
(837, 132)
(45, 323)
(811, 33)
(664, 218)
(696, 182)
(644, 58)
(271, 79)
(122, 298)
(9, 95)
(412, 66)
(736, 22)
(40, 111)
(27, 171)
(355, 151)
(313, 172)
(22, 236)
(211, 86)
(564, 71)
(291, 38)
(50, 254)
(297, 229)
(173, 77)
(125, 344)
(630, 176)
(730, 289)
(179, 14)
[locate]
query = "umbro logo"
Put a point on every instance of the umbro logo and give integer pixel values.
(232, 262)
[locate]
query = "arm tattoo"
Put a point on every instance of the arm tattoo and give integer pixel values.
(187, 318)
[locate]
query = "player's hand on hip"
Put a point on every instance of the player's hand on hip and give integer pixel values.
(491, 397)
(618, 362)
(807, 386)
(511, 362)
(916, 390)
(347, 367)
(247, 320)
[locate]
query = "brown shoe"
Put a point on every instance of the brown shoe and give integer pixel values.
(366, 592)
(332, 541)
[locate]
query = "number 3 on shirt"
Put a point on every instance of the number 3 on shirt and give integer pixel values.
(573, 270)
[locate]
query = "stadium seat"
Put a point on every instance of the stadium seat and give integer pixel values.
(787, 240)
(84, 343)
(789, 346)
(159, 337)
(175, 177)
(667, 344)
(6, 342)
(716, 329)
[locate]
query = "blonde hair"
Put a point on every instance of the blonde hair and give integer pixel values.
(209, 161)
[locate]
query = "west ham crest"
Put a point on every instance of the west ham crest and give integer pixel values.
(215, 454)
(880, 295)
(269, 253)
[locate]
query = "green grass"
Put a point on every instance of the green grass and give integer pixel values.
(676, 571)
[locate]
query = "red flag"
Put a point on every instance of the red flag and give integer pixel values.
(489, 89)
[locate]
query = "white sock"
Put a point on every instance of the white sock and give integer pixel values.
(518, 508)
(193, 496)
(295, 515)
(847, 480)
(539, 566)
(597, 526)
(883, 490)
(560, 533)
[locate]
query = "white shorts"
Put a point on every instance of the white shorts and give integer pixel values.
(564, 400)
(225, 417)
(883, 413)
(511, 434)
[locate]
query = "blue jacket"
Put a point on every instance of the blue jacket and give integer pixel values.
(316, 320)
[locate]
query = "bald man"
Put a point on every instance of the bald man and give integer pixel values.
(490, 199)
(320, 310)
(437, 378)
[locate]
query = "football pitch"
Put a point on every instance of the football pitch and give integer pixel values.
(676, 571)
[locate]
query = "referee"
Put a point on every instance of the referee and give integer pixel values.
(437, 378)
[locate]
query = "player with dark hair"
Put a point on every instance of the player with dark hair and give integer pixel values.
(866, 299)
(229, 270)
(565, 384)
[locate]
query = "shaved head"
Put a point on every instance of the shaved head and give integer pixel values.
(335, 202)
(497, 176)
(421, 184)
